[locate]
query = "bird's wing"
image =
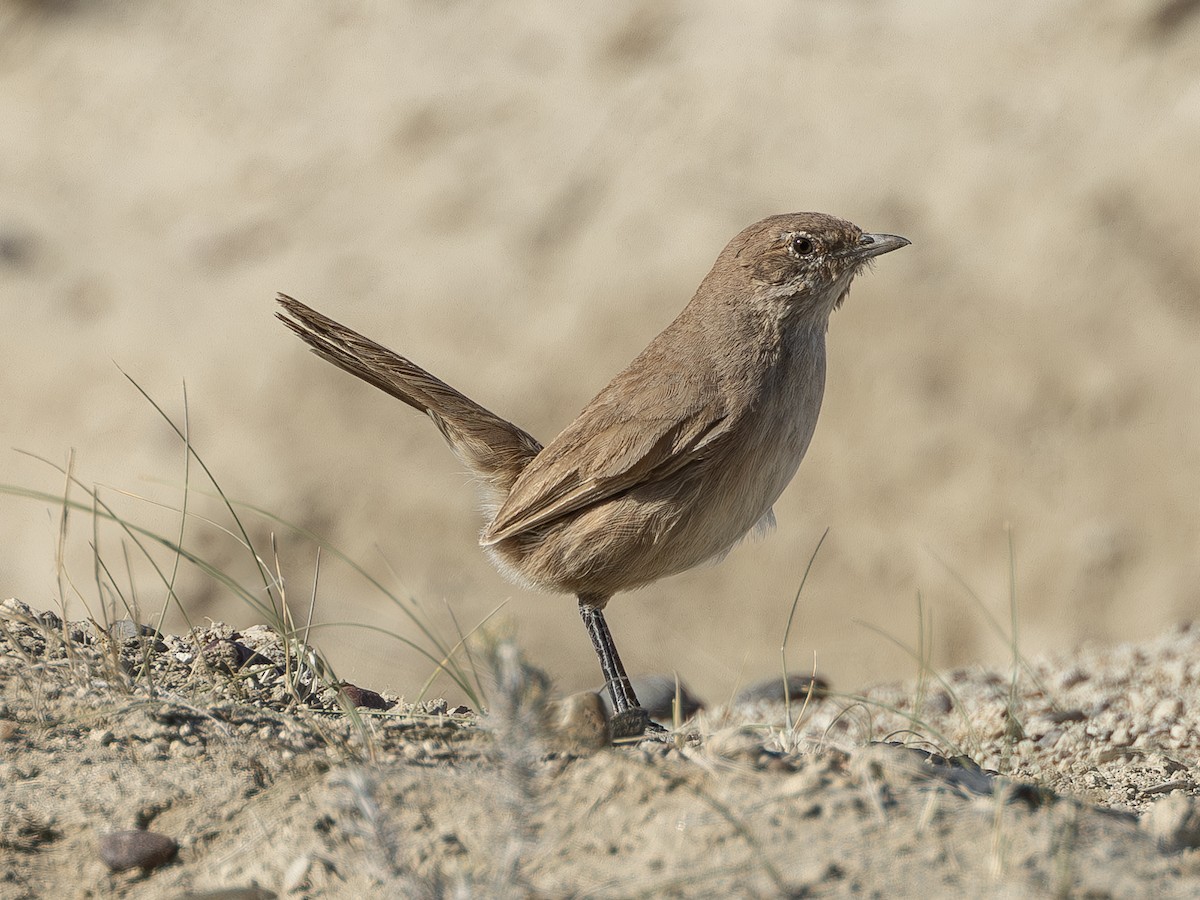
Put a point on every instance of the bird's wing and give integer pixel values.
(616, 444)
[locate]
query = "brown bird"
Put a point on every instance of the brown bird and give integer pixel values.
(680, 456)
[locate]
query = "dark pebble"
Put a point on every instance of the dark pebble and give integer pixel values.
(145, 850)
(1059, 716)
(656, 693)
(770, 690)
(363, 697)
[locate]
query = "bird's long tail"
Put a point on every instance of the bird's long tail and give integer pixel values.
(494, 449)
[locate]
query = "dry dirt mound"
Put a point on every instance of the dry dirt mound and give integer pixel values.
(261, 782)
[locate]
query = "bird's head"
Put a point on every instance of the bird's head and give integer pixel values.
(803, 263)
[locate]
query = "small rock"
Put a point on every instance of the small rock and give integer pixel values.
(581, 721)
(144, 850)
(363, 697)
(1174, 822)
(1062, 716)
(959, 772)
(1166, 787)
(771, 690)
(656, 693)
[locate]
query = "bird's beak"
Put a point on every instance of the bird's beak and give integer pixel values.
(877, 244)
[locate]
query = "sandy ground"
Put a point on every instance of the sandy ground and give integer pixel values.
(519, 199)
(256, 789)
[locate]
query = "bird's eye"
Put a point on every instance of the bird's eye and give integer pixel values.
(802, 245)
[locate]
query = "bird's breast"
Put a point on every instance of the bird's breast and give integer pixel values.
(774, 436)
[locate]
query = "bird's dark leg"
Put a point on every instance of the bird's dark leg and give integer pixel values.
(629, 719)
(619, 687)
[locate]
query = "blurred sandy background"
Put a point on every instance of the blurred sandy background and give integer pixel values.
(519, 197)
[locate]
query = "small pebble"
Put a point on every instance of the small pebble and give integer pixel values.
(144, 850)
(656, 694)
(581, 721)
(363, 697)
(771, 690)
(1062, 716)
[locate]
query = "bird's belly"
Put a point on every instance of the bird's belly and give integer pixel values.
(734, 504)
(658, 529)
(667, 526)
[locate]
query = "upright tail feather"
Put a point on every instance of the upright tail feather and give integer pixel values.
(494, 449)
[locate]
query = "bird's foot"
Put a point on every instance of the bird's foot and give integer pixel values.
(634, 723)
